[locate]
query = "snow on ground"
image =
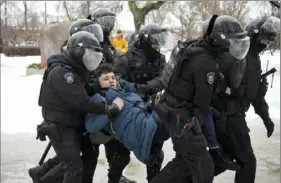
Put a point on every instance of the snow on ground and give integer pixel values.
(20, 114)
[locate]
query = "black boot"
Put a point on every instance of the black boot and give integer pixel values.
(124, 179)
(36, 173)
(221, 159)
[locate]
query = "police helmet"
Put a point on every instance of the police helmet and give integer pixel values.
(85, 49)
(153, 34)
(263, 29)
(224, 33)
(87, 25)
(105, 18)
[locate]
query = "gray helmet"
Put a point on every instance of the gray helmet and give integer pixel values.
(154, 34)
(224, 33)
(105, 18)
(85, 49)
(87, 25)
(263, 26)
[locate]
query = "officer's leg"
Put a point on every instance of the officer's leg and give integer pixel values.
(239, 134)
(156, 153)
(157, 158)
(193, 162)
(90, 154)
(39, 171)
(118, 157)
(66, 143)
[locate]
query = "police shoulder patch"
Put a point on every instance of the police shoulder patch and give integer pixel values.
(68, 77)
(210, 77)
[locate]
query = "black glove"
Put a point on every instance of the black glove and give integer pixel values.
(112, 111)
(269, 125)
(47, 129)
(263, 87)
(41, 136)
(92, 86)
(143, 89)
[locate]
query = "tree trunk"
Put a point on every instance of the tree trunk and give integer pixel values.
(25, 14)
(45, 12)
(6, 17)
(140, 13)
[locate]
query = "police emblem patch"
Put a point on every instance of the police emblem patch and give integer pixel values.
(210, 77)
(69, 78)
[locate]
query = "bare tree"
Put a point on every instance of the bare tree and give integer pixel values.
(66, 10)
(160, 15)
(186, 12)
(236, 9)
(139, 14)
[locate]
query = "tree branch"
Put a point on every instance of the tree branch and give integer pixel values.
(66, 10)
(152, 6)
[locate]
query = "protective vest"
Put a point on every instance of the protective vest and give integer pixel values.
(141, 70)
(176, 80)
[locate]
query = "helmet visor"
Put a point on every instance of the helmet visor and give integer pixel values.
(107, 22)
(91, 59)
(239, 48)
(272, 24)
(162, 39)
(94, 29)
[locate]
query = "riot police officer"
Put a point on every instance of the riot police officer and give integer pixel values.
(189, 81)
(64, 102)
(142, 63)
(40, 171)
(234, 137)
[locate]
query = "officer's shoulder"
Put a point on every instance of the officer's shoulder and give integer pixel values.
(61, 70)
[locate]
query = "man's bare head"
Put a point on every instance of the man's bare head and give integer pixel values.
(106, 76)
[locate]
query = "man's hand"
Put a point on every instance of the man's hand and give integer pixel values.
(269, 125)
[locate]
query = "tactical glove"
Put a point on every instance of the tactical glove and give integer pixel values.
(269, 125)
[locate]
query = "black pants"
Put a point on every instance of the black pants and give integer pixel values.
(237, 144)
(72, 168)
(193, 163)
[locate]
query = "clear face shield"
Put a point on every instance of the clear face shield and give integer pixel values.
(94, 29)
(107, 22)
(92, 57)
(164, 40)
(239, 48)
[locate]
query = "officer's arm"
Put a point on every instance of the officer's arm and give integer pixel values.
(73, 93)
(156, 84)
(261, 108)
(120, 66)
(204, 76)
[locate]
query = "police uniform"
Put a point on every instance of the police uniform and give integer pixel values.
(64, 103)
(189, 80)
(235, 138)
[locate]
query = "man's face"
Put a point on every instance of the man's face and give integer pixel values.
(108, 80)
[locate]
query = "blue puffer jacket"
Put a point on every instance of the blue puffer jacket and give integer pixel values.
(134, 127)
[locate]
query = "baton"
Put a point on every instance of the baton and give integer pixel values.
(45, 153)
(273, 70)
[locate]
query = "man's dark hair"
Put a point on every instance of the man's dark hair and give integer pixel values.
(104, 69)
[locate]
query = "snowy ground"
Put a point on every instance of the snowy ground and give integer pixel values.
(20, 114)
